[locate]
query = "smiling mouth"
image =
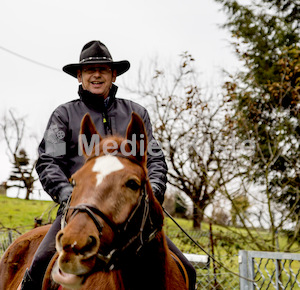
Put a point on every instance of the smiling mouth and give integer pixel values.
(97, 83)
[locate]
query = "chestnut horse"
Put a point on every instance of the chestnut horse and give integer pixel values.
(111, 236)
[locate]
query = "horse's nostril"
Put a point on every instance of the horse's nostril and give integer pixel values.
(90, 247)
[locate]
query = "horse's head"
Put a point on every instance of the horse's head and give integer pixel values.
(112, 210)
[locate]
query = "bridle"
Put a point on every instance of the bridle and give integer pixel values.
(135, 242)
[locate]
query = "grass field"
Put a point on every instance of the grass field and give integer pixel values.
(20, 214)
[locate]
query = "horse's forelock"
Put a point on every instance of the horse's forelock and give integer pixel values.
(115, 145)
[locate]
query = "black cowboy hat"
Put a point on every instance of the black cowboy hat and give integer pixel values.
(95, 52)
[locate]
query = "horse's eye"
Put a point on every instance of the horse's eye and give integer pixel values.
(132, 184)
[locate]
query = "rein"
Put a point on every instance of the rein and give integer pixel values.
(114, 257)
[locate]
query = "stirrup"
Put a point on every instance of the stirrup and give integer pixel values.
(27, 282)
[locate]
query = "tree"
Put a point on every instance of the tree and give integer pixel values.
(189, 127)
(265, 99)
(22, 175)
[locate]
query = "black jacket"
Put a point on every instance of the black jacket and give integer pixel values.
(58, 151)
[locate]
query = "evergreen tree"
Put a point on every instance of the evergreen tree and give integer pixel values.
(266, 96)
(22, 173)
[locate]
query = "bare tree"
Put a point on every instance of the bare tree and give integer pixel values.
(189, 127)
(22, 175)
(210, 162)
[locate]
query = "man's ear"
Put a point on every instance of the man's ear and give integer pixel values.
(79, 76)
(114, 75)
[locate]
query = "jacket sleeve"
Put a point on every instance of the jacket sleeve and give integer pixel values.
(52, 163)
(156, 164)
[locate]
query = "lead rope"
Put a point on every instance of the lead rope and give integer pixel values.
(210, 256)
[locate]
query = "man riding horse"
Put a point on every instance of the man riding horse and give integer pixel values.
(59, 155)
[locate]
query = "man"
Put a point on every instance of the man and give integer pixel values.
(59, 157)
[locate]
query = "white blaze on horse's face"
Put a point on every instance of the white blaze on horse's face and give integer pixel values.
(106, 165)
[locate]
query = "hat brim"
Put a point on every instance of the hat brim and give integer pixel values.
(120, 66)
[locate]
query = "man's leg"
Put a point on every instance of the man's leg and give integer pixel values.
(33, 277)
(188, 266)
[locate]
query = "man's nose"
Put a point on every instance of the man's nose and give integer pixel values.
(97, 72)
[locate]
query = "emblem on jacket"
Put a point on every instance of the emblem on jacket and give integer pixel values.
(54, 144)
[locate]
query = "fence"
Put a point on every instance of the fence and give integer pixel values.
(269, 270)
(209, 274)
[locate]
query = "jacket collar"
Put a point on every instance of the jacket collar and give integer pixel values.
(94, 101)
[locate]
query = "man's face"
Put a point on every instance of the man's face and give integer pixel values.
(97, 78)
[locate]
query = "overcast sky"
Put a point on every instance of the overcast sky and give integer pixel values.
(53, 33)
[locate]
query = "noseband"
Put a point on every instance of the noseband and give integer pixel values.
(113, 258)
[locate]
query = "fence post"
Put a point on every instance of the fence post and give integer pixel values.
(244, 271)
(10, 237)
(213, 254)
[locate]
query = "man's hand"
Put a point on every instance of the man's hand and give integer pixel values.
(157, 192)
(64, 194)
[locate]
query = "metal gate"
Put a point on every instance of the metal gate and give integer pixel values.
(269, 270)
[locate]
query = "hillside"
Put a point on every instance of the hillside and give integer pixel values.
(20, 214)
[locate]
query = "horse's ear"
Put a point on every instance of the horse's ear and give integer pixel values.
(89, 135)
(136, 131)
